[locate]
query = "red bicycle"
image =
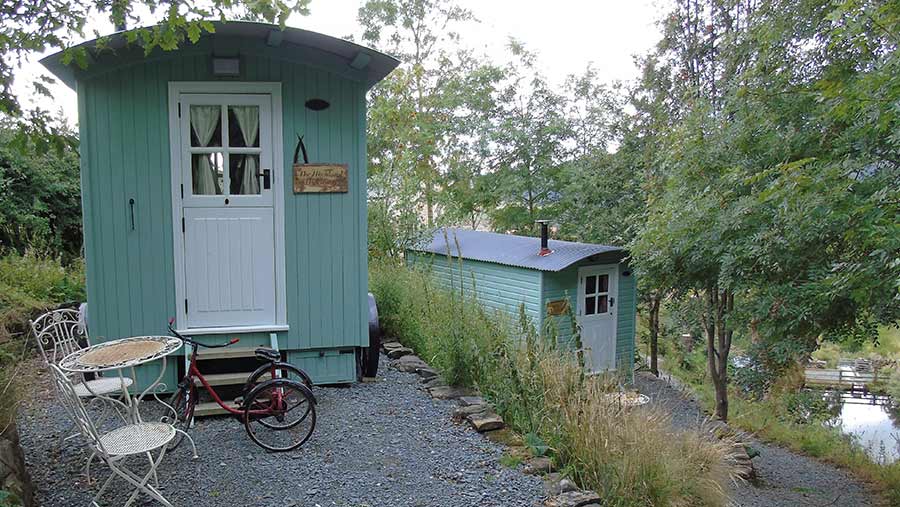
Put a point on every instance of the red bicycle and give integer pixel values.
(278, 408)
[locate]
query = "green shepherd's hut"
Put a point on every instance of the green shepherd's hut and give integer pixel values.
(571, 286)
(194, 208)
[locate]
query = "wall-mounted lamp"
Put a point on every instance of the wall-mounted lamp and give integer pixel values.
(226, 66)
(317, 104)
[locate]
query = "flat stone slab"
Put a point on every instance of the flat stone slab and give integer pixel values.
(409, 363)
(573, 499)
(462, 413)
(471, 400)
(449, 392)
(428, 383)
(485, 421)
(538, 465)
(398, 352)
(427, 373)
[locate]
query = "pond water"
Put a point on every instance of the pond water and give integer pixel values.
(872, 421)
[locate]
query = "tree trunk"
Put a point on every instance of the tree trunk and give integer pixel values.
(654, 334)
(718, 343)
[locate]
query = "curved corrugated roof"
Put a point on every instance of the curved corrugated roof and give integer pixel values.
(350, 59)
(509, 249)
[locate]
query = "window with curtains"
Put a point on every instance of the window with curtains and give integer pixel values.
(596, 294)
(225, 150)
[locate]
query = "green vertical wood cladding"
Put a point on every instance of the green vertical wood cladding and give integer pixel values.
(504, 288)
(497, 286)
(123, 119)
(564, 285)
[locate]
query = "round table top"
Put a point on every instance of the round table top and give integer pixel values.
(122, 353)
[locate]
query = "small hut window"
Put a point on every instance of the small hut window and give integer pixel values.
(596, 294)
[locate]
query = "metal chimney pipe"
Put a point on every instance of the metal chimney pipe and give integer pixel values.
(545, 238)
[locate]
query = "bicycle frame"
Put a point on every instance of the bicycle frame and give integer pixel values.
(194, 372)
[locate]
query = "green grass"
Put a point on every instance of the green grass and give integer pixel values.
(29, 284)
(630, 458)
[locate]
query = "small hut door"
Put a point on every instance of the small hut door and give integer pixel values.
(597, 294)
(228, 221)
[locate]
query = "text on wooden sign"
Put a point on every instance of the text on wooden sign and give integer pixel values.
(320, 178)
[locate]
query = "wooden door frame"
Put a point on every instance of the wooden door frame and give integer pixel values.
(273, 89)
(579, 302)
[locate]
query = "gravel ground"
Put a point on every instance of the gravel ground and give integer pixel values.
(381, 444)
(785, 478)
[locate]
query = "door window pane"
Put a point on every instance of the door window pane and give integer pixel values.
(589, 305)
(207, 174)
(604, 283)
(590, 284)
(244, 173)
(602, 304)
(243, 126)
(206, 126)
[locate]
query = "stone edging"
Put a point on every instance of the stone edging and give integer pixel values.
(482, 417)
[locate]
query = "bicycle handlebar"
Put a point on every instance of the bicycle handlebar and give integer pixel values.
(196, 343)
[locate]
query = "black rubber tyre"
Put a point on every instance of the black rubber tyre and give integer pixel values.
(287, 370)
(183, 401)
(280, 428)
(368, 356)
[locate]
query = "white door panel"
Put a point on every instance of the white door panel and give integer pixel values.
(229, 266)
(227, 203)
(596, 316)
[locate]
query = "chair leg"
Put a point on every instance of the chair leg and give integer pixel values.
(191, 440)
(141, 484)
(153, 470)
(87, 467)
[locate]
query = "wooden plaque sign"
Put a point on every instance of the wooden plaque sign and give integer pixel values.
(558, 307)
(320, 178)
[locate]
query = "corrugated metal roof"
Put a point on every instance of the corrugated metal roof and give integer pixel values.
(319, 48)
(509, 249)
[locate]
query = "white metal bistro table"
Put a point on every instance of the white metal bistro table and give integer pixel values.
(124, 354)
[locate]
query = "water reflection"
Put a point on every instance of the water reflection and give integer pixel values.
(873, 420)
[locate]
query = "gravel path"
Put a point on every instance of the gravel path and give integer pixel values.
(381, 444)
(786, 478)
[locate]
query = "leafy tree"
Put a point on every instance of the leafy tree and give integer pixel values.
(40, 204)
(427, 120)
(35, 26)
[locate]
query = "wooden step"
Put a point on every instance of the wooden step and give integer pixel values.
(231, 352)
(224, 379)
(211, 408)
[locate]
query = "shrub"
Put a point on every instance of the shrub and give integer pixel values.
(630, 457)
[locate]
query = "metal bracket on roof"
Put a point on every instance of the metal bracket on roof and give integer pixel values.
(360, 61)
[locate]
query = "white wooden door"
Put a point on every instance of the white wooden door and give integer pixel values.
(227, 210)
(596, 316)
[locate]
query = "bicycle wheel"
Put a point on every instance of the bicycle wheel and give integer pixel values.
(284, 370)
(279, 415)
(183, 401)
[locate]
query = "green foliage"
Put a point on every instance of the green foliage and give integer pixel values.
(36, 27)
(34, 282)
(40, 201)
(628, 457)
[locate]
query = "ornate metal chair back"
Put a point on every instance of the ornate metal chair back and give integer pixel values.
(59, 333)
(74, 405)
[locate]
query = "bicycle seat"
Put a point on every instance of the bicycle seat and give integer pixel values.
(267, 354)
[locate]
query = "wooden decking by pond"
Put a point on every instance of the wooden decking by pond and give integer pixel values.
(840, 378)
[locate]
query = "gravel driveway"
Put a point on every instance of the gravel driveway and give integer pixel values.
(786, 478)
(381, 444)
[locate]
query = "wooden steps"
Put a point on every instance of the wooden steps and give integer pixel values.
(225, 353)
(224, 379)
(211, 408)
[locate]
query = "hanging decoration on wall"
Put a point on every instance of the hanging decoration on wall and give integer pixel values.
(558, 307)
(317, 178)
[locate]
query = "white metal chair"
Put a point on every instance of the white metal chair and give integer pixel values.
(59, 333)
(114, 446)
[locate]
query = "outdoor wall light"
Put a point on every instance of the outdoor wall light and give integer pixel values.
(317, 104)
(226, 66)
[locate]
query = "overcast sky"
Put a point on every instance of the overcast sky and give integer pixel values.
(566, 35)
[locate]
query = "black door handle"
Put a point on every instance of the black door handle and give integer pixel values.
(266, 175)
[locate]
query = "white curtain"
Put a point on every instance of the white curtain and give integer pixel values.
(204, 120)
(248, 122)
